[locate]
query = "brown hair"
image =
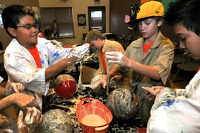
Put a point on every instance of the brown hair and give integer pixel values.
(94, 35)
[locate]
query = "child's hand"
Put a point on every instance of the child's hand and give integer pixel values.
(17, 87)
(154, 89)
(114, 57)
(118, 58)
(79, 51)
(29, 123)
(23, 100)
(101, 80)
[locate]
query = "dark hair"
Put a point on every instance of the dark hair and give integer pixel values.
(13, 13)
(48, 31)
(185, 12)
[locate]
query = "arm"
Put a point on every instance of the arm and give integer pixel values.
(57, 68)
(74, 55)
(159, 69)
(119, 58)
(20, 99)
(2, 92)
(148, 71)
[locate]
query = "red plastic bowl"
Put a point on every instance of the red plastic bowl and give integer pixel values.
(66, 89)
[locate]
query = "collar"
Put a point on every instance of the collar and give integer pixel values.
(104, 46)
(157, 41)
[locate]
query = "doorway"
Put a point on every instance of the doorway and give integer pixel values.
(97, 19)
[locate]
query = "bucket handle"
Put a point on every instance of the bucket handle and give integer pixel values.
(99, 128)
(87, 101)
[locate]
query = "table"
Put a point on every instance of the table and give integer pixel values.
(69, 105)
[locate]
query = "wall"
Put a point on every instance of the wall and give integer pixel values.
(119, 27)
(79, 7)
(4, 37)
(117, 15)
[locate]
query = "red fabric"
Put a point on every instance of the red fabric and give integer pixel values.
(103, 60)
(34, 52)
(146, 47)
(198, 69)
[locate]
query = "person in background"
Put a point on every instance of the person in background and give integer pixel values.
(30, 60)
(99, 42)
(148, 58)
(178, 110)
(26, 123)
(46, 33)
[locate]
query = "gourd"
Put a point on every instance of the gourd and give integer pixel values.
(121, 103)
(65, 86)
(56, 121)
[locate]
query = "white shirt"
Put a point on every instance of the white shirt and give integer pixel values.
(181, 114)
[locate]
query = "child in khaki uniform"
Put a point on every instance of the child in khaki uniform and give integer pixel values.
(99, 42)
(148, 58)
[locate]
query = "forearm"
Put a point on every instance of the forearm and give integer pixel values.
(57, 68)
(2, 92)
(113, 72)
(148, 71)
(6, 102)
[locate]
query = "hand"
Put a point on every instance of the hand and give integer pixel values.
(117, 57)
(117, 77)
(17, 87)
(155, 90)
(79, 51)
(96, 81)
(23, 100)
(32, 119)
(114, 57)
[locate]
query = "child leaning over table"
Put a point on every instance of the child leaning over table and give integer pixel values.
(148, 58)
(176, 110)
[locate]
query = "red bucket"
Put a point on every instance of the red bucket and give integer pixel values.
(93, 107)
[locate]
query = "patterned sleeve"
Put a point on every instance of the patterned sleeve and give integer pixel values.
(167, 96)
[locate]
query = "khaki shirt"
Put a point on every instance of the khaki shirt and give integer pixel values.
(160, 55)
(108, 47)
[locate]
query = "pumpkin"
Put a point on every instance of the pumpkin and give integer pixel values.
(65, 86)
(56, 121)
(121, 103)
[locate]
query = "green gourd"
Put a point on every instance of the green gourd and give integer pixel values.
(56, 121)
(121, 103)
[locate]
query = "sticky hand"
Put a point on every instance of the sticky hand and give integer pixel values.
(17, 87)
(24, 100)
(99, 80)
(114, 57)
(118, 58)
(155, 90)
(29, 123)
(79, 51)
